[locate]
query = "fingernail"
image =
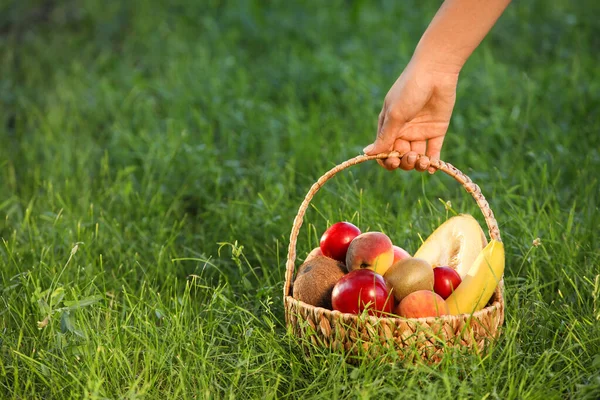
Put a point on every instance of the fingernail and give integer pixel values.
(412, 158)
(368, 148)
(431, 170)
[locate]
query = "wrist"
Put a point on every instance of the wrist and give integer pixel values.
(432, 70)
(438, 60)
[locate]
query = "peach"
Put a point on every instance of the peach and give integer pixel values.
(372, 250)
(400, 254)
(422, 303)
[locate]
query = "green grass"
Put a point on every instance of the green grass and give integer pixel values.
(153, 157)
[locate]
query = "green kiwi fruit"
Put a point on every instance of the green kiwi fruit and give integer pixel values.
(409, 275)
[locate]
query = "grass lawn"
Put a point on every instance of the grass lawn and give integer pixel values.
(153, 156)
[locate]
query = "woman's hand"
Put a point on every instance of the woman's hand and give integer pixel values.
(416, 114)
(417, 109)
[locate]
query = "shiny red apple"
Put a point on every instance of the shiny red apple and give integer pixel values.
(362, 289)
(445, 281)
(336, 239)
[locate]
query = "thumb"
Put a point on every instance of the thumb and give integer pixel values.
(385, 138)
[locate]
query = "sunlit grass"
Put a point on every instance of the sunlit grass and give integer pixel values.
(153, 157)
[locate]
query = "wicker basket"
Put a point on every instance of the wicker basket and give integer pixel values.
(392, 338)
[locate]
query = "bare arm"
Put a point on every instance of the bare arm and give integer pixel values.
(457, 29)
(417, 109)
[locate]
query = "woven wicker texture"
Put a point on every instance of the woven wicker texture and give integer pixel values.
(400, 338)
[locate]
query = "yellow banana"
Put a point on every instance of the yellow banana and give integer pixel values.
(480, 282)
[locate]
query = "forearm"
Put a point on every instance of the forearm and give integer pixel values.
(457, 29)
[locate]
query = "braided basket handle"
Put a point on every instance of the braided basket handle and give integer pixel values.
(449, 169)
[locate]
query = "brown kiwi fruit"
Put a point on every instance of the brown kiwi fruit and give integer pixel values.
(316, 279)
(409, 275)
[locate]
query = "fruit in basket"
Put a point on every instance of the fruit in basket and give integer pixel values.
(336, 239)
(371, 250)
(362, 289)
(409, 275)
(421, 304)
(399, 254)
(481, 281)
(316, 279)
(456, 243)
(445, 281)
(313, 253)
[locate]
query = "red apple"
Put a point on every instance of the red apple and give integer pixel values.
(400, 254)
(445, 281)
(336, 239)
(362, 289)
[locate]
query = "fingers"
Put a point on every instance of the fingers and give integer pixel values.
(422, 163)
(401, 146)
(369, 148)
(388, 127)
(434, 148)
(385, 141)
(412, 153)
(390, 163)
(418, 146)
(413, 160)
(413, 156)
(380, 120)
(408, 161)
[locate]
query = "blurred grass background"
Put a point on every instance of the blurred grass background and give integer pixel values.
(153, 155)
